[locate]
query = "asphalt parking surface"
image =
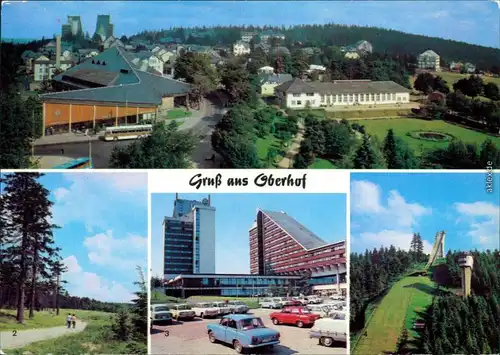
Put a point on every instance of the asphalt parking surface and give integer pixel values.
(190, 337)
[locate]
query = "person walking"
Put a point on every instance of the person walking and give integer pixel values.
(73, 320)
(68, 320)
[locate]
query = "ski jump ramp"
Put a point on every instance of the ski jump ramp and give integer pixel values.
(437, 248)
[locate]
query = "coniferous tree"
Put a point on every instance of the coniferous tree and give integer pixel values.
(29, 231)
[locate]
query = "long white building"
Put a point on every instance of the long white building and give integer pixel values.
(300, 94)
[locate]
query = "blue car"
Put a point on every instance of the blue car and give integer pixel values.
(243, 332)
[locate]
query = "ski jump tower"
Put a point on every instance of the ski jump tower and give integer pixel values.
(437, 248)
(466, 262)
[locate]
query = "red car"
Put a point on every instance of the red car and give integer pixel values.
(299, 316)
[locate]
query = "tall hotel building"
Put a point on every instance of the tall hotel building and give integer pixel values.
(279, 245)
(189, 238)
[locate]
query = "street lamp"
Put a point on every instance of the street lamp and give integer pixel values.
(90, 146)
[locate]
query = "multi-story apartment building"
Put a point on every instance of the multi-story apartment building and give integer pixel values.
(45, 68)
(104, 28)
(279, 245)
(300, 94)
(247, 36)
(241, 48)
(189, 238)
(73, 28)
(429, 60)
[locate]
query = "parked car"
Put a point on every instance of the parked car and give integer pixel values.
(329, 330)
(337, 298)
(269, 303)
(283, 301)
(314, 299)
(323, 310)
(223, 307)
(239, 307)
(205, 309)
(243, 332)
(299, 316)
(160, 313)
(182, 311)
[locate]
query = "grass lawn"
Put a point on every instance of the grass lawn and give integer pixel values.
(452, 78)
(178, 113)
(322, 164)
(251, 302)
(96, 338)
(160, 297)
(401, 126)
(270, 141)
(44, 319)
(397, 309)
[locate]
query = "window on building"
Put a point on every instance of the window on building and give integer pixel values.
(293, 102)
(310, 94)
(350, 97)
(322, 98)
(296, 95)
(393, 97)
(299, 103)
(377, 97)
(334, 97)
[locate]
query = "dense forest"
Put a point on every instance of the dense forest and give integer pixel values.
(383, 40)
(373, 272)
(31, 266)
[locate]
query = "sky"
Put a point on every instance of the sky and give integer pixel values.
(104, 228)
(474, 22)
(323, 214)
(388, 208)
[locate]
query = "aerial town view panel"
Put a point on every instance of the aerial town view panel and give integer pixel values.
(232, 85)
(259, 280)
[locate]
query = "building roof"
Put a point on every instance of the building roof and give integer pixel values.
(128, 85)
(297, 231)
(298, 86)
(275, 78)
(429, 53)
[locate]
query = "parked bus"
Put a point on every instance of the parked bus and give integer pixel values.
(127, 132)
(80, 163)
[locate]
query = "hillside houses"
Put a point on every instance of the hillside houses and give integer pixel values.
(429, 60)
(241, 48)
(356, 50)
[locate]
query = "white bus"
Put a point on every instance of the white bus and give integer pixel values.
(127, 132)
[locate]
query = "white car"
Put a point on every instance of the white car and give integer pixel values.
(314, 300)
(337, 298)
(321, 310)
(239, 307)
(205, 309)
(223, 308)
(269, 303)
(331, 329)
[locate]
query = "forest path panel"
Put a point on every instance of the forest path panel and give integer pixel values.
(18, 339)
(397, 308)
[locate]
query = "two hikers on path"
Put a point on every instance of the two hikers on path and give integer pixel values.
(71, 319)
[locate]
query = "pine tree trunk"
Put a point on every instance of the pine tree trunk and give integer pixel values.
(20, 287)
(57, 294)
(33, 282)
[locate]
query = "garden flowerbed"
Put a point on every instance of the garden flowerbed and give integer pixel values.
(431, 136)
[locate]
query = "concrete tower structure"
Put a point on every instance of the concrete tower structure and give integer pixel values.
(437, 248)
(104, 28)
(466, 262)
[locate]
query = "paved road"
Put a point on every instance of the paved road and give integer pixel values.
(202, 125)
(26, 337)
(191, 338)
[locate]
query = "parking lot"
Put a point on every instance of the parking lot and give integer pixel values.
(190, 337)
